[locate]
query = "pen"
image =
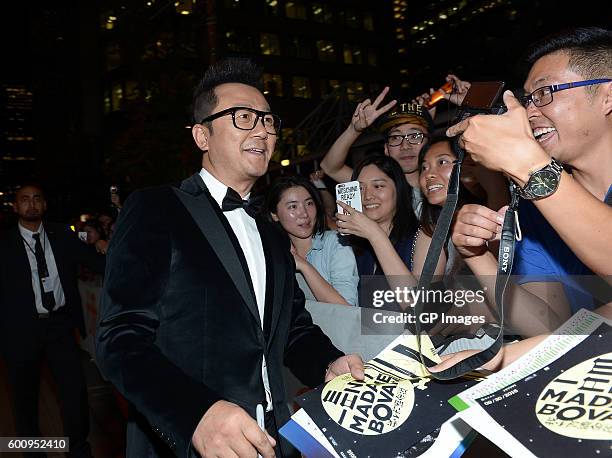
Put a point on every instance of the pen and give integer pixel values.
(259, 412)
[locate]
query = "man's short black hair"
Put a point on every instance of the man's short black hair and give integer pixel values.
(230, 70)
(589, 50)
(31, 184)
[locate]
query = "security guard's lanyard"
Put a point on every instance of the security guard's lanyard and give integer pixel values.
(44, 250)
(504, 269)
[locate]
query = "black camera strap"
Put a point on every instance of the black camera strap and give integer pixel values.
(504, 270)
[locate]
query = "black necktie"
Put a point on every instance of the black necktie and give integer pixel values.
(232, 201)
(48, 300)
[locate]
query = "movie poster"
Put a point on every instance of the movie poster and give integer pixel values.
(388, 413)
(565, 408)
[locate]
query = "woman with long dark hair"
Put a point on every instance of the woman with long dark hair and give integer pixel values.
(385, 231)
(327, 265)
(477, 185)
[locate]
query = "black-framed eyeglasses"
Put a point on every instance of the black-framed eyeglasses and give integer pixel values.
(415, 138)
(542, 96)
(245, 118)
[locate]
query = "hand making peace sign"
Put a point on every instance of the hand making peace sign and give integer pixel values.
(367, 111)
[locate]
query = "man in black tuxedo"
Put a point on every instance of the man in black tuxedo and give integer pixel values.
(200, 309)
(40, 307)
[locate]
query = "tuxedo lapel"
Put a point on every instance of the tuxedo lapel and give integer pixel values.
(198, 202)
(275, 273)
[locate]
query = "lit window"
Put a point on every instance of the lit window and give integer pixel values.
(349, 18)
(328, 86)
(273, 84)
(368, 21)
(325, 51)
(301, 87)
(234, 4)
(132, 90)
(113, 56)
(108, 20)
(295, 9)
(354, 90)
(271, 7)
(107, 102)
(372, 58)
(348, 55)
(184, 7)
(352, 55)
(322, 13)
(117, 97)
(269, 45)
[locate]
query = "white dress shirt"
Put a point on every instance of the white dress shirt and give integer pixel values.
(52, 282)
(246, 232)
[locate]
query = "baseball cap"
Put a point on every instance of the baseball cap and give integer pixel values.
(406, 113)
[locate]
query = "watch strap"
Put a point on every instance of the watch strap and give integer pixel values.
(554, 166)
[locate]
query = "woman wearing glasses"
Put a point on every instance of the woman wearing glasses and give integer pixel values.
(406, 128)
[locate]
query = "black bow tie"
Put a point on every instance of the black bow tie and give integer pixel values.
(232, 201)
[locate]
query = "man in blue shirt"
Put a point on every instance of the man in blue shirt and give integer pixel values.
(542, 256)
(567, 116)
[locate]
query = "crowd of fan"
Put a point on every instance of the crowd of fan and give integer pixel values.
(403, 189)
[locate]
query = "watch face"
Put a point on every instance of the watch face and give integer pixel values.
(543, 183)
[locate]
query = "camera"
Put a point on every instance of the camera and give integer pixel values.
(483, 97)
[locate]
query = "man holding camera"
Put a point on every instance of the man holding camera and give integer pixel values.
(565, 120)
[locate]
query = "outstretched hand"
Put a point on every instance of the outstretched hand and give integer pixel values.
(424, 99)
(344, 365)
(367, 111)
(474, 226)
(460, 89)
(452, 359)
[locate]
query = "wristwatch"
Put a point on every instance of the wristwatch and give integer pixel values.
(543, 182)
